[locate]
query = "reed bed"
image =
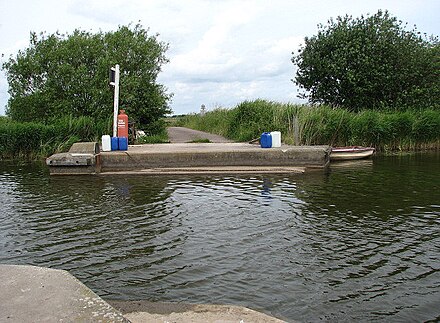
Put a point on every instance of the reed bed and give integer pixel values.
(299, 124)
(36, 140)
(323, 125)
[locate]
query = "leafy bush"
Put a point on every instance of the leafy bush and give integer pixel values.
(59, 75)
(370, 62)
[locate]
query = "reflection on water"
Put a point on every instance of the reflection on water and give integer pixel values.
(357, 243)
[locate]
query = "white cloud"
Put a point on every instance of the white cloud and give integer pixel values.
(221, 52)
(286, 45)
(211, 56)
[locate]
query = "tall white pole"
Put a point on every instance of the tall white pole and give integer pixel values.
(116, 102)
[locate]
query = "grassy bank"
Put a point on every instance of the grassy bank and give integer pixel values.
(322, 125)
(35, 140)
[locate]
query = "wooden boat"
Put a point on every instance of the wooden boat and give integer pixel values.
(349, 153)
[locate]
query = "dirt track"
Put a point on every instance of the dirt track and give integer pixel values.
(182, 135)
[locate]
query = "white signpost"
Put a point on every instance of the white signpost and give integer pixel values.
(114, 80)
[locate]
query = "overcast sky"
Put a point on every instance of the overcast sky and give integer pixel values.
(221, 52)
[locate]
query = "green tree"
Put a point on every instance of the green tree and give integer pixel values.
(60, 75)
(368, 63)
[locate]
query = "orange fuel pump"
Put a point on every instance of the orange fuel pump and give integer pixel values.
(122, 124)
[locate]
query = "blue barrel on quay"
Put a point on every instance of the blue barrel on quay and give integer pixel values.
(114, 143)
(123, 143)
(266, 140)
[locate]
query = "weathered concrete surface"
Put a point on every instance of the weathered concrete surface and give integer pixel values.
(35, 294)
(69, 159)
(212, 170)
(85, 148)
(140, 157)
(189, 158)
(181, 135)
(144, 311)
(82, 158)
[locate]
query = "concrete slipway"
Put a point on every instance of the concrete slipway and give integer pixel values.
(183, 158)
(36, 294)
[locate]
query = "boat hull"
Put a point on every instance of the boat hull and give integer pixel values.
(351, 153)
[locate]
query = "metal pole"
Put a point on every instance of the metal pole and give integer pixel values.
(116, 102)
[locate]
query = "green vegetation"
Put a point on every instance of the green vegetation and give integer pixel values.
(216, 121)
(377, 85)
(34, 140)
(370, 62)
(67, 75)
(60, 91)
(160, 138)
(323, 125)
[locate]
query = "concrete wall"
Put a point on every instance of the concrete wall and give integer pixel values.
(317, 157)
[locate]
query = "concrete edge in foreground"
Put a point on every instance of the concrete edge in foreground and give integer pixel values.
(145, 311)
(37, 294)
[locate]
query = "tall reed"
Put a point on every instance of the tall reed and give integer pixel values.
(323, 125)
(34, 140)
(216, 121)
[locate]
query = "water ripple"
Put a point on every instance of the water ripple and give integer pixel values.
(359, 243)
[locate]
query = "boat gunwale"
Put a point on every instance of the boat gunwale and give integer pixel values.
(353, 149)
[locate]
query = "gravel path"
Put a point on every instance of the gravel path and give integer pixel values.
(182, 135)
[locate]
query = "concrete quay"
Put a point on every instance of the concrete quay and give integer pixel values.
(36, 294)
(187, 155)
(189, 158)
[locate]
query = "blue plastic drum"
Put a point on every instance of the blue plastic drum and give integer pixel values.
(123, 143)
(114, 143)
(266, 140)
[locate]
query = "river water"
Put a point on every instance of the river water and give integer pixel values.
(359, 242)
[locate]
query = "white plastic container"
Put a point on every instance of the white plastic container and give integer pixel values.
(106, 144)
(276, 139)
